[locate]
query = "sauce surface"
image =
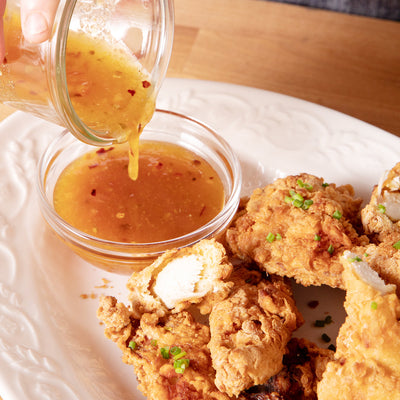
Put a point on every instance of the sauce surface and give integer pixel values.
(175, 193)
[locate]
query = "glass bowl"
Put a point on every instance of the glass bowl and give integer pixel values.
(165, 126)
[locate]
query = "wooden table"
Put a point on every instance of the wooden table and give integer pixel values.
(348, 63)
(345, 62)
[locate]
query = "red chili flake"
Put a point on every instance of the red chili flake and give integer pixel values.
(313, 303)
(103, 150)
(93, 166)
(93, 192)
(202, 210)
(131, 92)
(211, 177)
(196, 162)
(5, 60)
(146, 84)
(159, 165)
(91, 52)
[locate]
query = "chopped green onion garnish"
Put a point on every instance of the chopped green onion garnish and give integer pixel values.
(374, 305)
(132, 345)
(320, 323)
(278, 236)
(325, 338)
(297, 203)
(325, 184)
(298, 200)
(175, 350)
(180, 365)
(381, 208)
(355, 259)
(317, 237)
(397, 245)
(270, 237)
(304, 185)
(165, 352)
(288, 199)
(337, 214)
(154, 343)
(298, 197)
(331, 249)
(180, 355)
(307, 204)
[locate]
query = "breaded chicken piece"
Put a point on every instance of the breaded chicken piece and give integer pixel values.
(181, 277)
(384, 258)
(250, 330)
(381, 216)
(169, 354)
(303, 366)
(367, 360)
(298, 227)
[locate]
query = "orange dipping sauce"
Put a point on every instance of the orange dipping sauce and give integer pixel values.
(109, 90)
(176, 192)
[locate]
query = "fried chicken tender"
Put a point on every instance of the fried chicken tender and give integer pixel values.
(384, 258)
(304, 364)
(141, 343)
(250, 330)
(181, 277)
(381, 216)
(298, 227)
(367, 360)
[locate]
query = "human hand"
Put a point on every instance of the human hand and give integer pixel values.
(37, 17)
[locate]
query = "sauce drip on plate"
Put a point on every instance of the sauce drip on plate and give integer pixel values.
(175, 193)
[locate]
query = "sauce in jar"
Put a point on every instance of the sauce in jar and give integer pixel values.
(107, 86)
(175, 193)
(109, 91)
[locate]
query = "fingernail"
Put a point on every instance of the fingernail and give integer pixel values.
(35, 24)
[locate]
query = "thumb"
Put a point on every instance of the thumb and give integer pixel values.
(37, 18)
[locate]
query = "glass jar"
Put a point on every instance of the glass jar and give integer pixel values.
(119, 44)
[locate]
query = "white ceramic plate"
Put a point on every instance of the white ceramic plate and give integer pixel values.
(51, 343)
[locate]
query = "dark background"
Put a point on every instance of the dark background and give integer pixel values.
(387, 9)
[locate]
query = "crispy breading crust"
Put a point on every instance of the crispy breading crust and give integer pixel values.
(376, 222)
(156, 375)
(304, 364)
(311, 240)
(367, 360)
(384, 258)
(217, 269)
(250, 330)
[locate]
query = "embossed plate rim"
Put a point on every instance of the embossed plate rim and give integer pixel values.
(47, 350)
